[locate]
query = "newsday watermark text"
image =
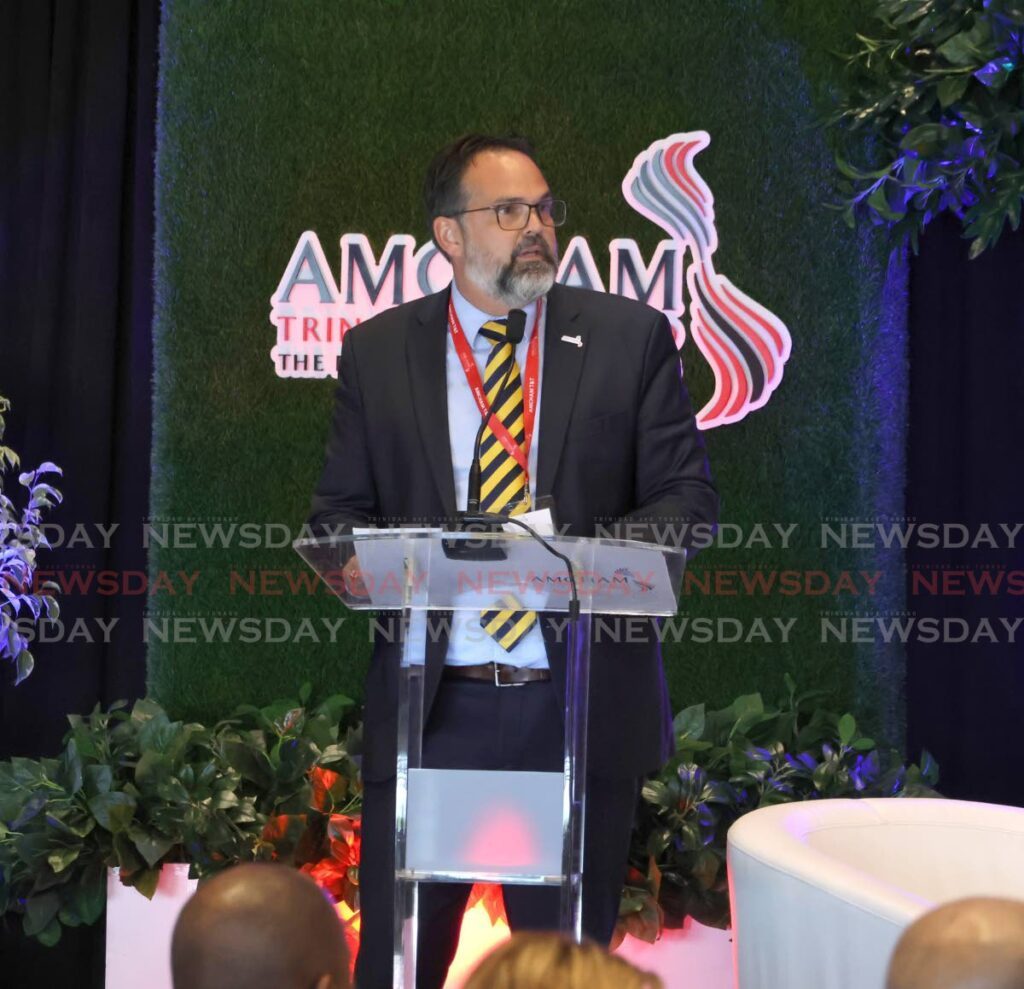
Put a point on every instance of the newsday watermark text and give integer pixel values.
(764, 631)
(828, 534)
(718, 582)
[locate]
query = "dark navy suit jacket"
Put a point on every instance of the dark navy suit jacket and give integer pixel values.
(617, 443)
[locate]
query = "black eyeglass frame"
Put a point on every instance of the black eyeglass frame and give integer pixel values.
(531, 207)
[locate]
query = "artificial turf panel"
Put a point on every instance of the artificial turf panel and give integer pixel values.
(275, 118)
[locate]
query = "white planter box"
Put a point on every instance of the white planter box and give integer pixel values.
(139, 930)
(692, 957)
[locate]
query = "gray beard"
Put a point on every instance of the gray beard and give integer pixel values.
(518, 287)
(515, 285)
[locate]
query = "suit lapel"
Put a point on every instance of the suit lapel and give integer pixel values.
(563, 363)
(426, 346)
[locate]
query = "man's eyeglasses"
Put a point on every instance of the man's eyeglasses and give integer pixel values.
(515, 216)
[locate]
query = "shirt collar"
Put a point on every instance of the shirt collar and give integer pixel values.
(472, 318)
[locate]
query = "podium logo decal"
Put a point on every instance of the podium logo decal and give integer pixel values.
(626, 577)
(744, 344)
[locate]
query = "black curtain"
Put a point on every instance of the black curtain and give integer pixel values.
(77, 125)
(965, 699)
(77, 138)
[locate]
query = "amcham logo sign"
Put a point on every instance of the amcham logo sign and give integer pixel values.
(745, 345)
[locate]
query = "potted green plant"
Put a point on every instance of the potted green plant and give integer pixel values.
(136, 791)
(727, 763)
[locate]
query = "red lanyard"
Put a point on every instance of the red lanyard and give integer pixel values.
(496, 426)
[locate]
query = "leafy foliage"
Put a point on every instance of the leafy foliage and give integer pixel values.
(730, 762)
(21, 534)
(135, 790)
(939, 89)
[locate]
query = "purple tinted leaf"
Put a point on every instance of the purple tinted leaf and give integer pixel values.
(995, 73)
(24, 664)
(47, 489)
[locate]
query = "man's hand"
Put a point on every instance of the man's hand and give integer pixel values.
(353, 579)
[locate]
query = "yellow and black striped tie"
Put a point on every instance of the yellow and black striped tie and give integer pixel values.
(503, 483)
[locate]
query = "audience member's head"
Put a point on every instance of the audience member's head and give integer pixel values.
(976, 943)
(546, 961)
(257, 926)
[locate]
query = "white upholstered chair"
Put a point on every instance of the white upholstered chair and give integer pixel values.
(822, 890)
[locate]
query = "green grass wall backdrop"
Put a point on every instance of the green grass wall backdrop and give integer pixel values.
(279, 117)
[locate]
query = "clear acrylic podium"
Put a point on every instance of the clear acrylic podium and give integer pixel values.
(455, 825)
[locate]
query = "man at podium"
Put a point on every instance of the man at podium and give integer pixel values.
(585, 404)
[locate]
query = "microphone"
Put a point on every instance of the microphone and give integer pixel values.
(515, 330)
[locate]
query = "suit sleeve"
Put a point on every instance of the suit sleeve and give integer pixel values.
(346, 495)
(673, 480)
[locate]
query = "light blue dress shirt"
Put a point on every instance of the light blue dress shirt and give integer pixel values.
(469, 643)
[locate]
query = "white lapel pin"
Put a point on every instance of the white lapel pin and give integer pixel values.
(578, 340)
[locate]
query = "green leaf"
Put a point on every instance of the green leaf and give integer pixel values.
(145, 882)
(152, 847)
(690, 721)
(879, 202)
(125, 855)
(719, 792)
(925, 139)
(90, 896)
(333, 754)
(39, 911)
(822, 774)
(966, 47)
(296, 757)
(744, 712)
(705, 868)
(225, 800)
(29, 810)
(32, 847)
(644, 921)
(61, 858)
(71, 766)
(847, 729)
(173, 791)
(250, 762)
(747, 705)
(929, 768)
(911, 167)
(144, 709)
(655, 792)
(97, 780)
(335, 706)
(790, 683)
(149, 763)
(24, 665)
(950, 89)
(658, 840)
(113, 811)
(858, 174)
(68, 916)
(50, 934)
